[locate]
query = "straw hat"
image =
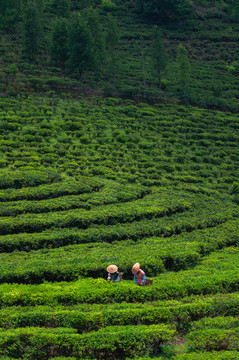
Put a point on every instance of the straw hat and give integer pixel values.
(135, 267)
(112, 269)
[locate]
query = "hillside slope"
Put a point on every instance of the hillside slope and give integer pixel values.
(209, 36)
(89, 182)
(102, 169)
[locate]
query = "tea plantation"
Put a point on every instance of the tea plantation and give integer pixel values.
(105, 161)
(89, 182)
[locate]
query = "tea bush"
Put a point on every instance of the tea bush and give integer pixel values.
(108, 214)
(40, 342)
(53, 190)
(86, 318)
(18, 179)
(216, 273)
(99, 196)
(69, 262)
(217, 355)
(135, 182)
(215, 339)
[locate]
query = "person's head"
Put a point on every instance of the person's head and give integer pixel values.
(135, 268)
(112, 269)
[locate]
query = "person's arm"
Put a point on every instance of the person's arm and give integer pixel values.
(108, 278)
(117, 277)
(135, 280)
(143, 279)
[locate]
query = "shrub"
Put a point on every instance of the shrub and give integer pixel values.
(19, 179)
(108, 5)
(235, 188)
(39, 343)
(213, 355)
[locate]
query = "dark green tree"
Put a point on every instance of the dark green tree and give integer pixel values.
(64, 8)
(80, 44)
(140, 6)
(81, 4)
(59, 42)
(112, 40)
(31, 31)
(93, 22)
(233, 10)
(183, 70)
(159, 56)
(164, 9)
(9, 10)
(143, 59)
(112, 33)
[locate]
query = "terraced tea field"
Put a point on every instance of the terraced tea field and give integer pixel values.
(90, 181)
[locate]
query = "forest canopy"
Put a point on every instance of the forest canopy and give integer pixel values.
(164, 9)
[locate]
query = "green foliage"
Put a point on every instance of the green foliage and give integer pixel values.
(112, 33)
(218, 273)
(8, 14)
(81, 54)
(217, 322)
(81, 4)
(120, 341)
(164, 227)
(108, 5)
(235, 188)
(60, 264)
(169, 9)
(213, 339)
(159, 56)
(205, 355)
(105, 195)
(179, 313)
(44, 191)
(183, 69)
(98, 47)
(112, 37)
(32, 31)
(20, 179)
(234, 68)
(59, 42)
(72, 202)
(233, 10)
(111, 214)
(63, 8)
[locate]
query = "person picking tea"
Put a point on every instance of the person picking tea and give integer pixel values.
(139, 275)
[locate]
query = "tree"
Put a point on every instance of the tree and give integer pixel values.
(64, 8)
(80, 44)
(183, 69)
(142, 58)
(112, 34)
(159, 56)
(108, 5)
(31, 31)
(8, 14)
(233, 68)
(81, 4)
(111, 42)
(59, 42)
(94, 25)
(164, 9)
(140, 6)
(233, 9)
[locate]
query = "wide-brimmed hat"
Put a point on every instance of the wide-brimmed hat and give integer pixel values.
(112, 269)
(136, 267)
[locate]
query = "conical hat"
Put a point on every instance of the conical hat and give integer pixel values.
(136, 266)
(112, 269)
